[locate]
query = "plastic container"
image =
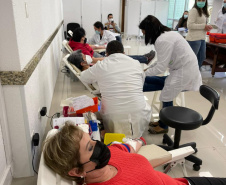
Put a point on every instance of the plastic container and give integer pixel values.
(221, 38)
(217, 37)
(93, 108)
(110, 137)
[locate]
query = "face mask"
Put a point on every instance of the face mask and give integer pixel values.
(88, 59)
(185, 16)
(201, 4)
(111, 20)
(85, 40)
(224, 5)
(97, 32)
(101, 156)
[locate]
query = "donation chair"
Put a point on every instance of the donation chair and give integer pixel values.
(67, 47)
(70, 26)
(92, 88)
(182, 118)
(154, 154)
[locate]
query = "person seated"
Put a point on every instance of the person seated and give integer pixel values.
(78, 41)
(113, 27)
(101, 37)
(73, 155)
(82, 61)
(120, 79)
(183, 21)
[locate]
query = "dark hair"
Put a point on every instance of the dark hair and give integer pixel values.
(202, 10)
(76, 59)
(110, 14)
(183, 15)
(78, 33)
(98, 25)
(153, 29)
(114, 47)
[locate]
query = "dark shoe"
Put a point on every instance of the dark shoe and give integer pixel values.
(154, 124)
(150, 56)
(158, 130)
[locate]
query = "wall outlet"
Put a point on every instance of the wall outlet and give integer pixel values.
(43, 111)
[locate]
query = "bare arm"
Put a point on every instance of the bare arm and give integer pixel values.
(96, 59)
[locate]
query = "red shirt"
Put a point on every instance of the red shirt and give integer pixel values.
(134, 169)
(86, 49)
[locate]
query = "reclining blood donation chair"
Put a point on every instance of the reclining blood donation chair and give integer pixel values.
(155, 155)
(92, 88)
(182, 118)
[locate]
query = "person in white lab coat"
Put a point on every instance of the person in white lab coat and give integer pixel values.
(120, 79)
(173, 52)
(221, 19)
(101, 37)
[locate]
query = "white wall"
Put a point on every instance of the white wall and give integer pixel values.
(87, 12)
(137, 10)
(27, 34)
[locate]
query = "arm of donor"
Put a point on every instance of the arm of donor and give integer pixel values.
(132, 146)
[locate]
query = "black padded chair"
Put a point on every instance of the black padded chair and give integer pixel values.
(182, 118)
(70, 26)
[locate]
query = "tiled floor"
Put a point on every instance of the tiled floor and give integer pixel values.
(210, 139)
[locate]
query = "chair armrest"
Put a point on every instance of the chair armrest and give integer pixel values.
(155, 155)
(181, 153)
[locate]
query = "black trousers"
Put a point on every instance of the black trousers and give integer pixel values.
(206, 180)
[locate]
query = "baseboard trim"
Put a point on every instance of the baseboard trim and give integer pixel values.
(6, 177)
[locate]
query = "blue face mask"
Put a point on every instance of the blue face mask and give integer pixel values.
(185, 16)
(201, 4)
(97, 32)
(224, 5)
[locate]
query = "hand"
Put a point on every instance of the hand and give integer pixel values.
(208, 27)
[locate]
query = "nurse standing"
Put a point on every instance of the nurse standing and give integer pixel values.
(197, 27)
(173, 52)
(221, 19)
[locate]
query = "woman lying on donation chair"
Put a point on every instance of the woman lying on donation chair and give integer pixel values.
(78, 41)
(73, 155)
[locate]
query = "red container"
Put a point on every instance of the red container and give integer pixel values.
(217, 37)
(220, 38)
(93, 108)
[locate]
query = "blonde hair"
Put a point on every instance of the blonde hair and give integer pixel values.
(61, 151)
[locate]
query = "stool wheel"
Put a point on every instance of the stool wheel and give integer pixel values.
(196, 167)
(164, 141)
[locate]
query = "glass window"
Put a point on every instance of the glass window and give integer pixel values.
(179, 9)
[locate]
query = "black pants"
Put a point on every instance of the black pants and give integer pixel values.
(206, 180)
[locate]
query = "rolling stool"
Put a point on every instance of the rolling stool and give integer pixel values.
(156, 105)
(182, 118)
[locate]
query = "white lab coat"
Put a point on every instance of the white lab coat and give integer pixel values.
(123, 107)
(220, 22)
(106, 38)
(174, 52)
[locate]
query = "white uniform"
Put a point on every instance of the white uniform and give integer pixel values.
(174, 52)
(123, 107)
(221, 22)
(106, 38)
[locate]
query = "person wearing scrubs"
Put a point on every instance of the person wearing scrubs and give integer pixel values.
(120, 79)
(221, 19)
(173, 52)
(197, 28)
(101, 37)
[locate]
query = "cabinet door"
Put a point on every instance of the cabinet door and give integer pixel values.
(91, 12)
(113, 7)
(132, 18)
(72, 12)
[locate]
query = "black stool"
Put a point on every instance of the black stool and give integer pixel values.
(182, 118)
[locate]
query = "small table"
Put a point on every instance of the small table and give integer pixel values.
(215, 52)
